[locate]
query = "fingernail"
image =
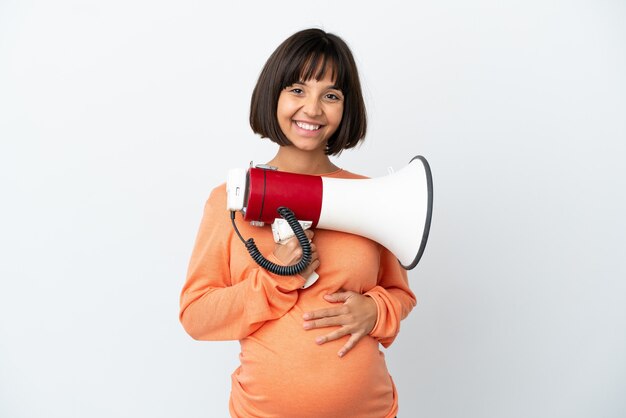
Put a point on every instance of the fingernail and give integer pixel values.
(319, 340)
(306, 316)
(341, 353)
(307, 325)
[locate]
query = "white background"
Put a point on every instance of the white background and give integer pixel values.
(118, 117)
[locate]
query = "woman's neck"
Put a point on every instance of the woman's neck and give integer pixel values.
(290, 159)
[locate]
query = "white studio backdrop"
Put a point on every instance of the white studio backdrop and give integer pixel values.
(117, 118)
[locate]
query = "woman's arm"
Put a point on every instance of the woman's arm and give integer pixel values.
(378, 312)
(211, 306)
(394, 299)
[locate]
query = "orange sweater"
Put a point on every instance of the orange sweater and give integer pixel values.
(283, 372)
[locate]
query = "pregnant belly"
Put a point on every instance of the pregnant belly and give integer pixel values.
(284, 373)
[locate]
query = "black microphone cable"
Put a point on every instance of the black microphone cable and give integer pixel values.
(256, 255)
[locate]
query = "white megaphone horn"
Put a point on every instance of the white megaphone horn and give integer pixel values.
(394, 210)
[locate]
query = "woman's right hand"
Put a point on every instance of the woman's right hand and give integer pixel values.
(290, 253)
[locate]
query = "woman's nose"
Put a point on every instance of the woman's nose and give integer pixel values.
(312, 107)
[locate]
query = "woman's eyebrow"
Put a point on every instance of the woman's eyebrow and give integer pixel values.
(304, 83)
(333, 86)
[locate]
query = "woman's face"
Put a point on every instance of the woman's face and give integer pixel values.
(309, 112)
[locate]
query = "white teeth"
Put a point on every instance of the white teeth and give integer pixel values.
(307, 126)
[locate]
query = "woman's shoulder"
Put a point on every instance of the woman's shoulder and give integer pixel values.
(345, 174)
(218, 192)
(217, 197)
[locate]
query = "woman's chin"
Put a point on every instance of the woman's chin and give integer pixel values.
(307, 147)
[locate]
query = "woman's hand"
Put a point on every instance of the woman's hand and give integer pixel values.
(357, 316)
(290, 253)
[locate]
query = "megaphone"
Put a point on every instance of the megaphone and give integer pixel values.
(394, 210)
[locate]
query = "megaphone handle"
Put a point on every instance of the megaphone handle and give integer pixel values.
(256, 255)
(282, 232)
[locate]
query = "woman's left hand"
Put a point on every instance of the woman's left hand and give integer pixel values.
(357, 317)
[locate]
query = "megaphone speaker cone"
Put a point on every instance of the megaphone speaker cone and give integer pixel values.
(394, 210)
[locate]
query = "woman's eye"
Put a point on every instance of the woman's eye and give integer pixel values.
(296, 90)
(332, 96)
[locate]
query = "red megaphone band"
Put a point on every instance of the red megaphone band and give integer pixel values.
(271, 189)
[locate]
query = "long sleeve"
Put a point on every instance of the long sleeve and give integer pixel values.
(394, 299)
(215, 304)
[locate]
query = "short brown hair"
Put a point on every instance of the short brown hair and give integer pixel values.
(305, 55)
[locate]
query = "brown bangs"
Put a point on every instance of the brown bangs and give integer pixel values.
(315, 65)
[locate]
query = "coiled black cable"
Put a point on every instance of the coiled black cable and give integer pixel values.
(256, 255)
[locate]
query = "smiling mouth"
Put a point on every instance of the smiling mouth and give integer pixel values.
(307, 126)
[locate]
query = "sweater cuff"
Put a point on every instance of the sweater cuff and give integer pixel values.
(379, 312)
